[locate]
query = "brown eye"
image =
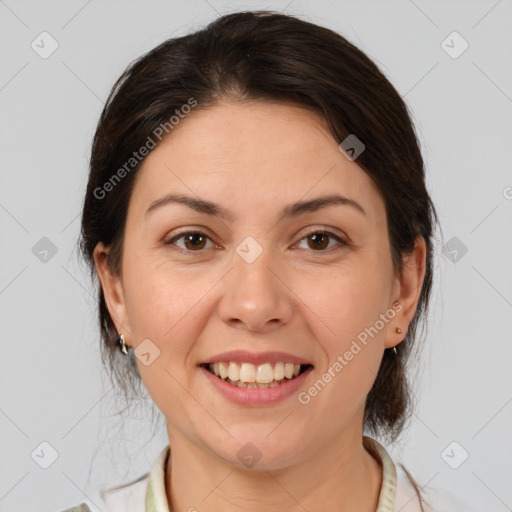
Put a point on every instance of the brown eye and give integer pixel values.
(319, 240)
(193, 241)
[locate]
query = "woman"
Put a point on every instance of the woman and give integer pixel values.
(257, 216)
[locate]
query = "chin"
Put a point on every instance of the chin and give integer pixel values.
(256, 451)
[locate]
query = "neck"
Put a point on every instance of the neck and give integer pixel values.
(339, 477)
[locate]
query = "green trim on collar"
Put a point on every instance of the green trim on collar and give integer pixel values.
(156, 498)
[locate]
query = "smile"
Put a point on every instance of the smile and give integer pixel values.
(250, 376)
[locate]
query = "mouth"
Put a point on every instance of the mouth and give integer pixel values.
(251, 376)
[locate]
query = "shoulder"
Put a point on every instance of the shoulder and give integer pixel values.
(83, 507)
(132, 496)
(129, 496)
(408, 496)
(433, 499)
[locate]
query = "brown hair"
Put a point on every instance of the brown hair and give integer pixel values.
(266, 56)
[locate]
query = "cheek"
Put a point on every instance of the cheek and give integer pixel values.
(347, 307)
(163, 306)
(166, 305)
(346, 301)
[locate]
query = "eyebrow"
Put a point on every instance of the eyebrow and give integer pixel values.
(291, 210)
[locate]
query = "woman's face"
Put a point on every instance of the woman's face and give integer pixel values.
(314, 283)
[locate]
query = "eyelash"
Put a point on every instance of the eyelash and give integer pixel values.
(342, 243)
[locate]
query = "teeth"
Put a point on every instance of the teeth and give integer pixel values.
(279, 371)
(223, 370)
(251, 376)
(265, 373)
(254, 385)
(248, 373)
(234, 371)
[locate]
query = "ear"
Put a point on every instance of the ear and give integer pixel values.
(407, 292)
(112, 290)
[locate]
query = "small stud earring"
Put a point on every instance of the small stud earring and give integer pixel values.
(398, 330)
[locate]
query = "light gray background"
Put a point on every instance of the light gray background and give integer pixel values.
(51, 384)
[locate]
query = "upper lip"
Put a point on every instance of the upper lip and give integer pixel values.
(242, 356)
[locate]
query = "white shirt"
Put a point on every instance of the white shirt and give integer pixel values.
(397, 493)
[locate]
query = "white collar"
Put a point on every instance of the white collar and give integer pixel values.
(156, 498)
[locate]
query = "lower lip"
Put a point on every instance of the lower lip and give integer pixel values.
(256, 396)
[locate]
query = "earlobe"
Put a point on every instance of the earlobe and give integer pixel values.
(112, 287)
(410, 286)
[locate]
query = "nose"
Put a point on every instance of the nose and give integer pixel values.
(256, 296)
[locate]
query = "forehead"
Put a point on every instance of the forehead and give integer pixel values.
(247, 155)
